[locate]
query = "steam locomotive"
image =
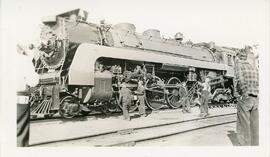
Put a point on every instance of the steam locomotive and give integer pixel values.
(82, 65)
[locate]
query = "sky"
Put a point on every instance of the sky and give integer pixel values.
(227, 22)
(232, 23)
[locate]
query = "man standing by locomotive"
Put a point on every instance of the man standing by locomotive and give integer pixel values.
(247, 86)
(186, 102)
(125, 99)
(205, 97)
(140, 93)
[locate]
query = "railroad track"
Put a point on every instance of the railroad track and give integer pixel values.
(131, 136)
(116, 113)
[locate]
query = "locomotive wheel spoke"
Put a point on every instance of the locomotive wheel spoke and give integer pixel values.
(174, 95)
(170, 97)
(155, 94)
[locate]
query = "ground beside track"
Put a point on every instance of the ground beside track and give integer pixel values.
(65, 129)
(222, 135)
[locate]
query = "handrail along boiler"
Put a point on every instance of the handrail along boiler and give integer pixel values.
(82, 65)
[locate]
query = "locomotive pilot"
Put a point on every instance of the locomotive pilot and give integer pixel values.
(140, 93)
(125, 99)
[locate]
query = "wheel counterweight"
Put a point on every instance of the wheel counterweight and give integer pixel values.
(175, 92)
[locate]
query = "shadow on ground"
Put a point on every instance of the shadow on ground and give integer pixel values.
(233, 137)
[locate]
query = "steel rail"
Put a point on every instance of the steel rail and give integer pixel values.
(169, 134)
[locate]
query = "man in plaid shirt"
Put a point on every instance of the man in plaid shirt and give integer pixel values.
(247, 86)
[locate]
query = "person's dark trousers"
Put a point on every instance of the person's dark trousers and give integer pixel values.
(141, 105)
(23, 119)
(247, 125)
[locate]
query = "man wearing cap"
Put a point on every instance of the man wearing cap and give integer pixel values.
(247, 86)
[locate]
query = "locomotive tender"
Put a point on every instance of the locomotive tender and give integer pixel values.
(82, 65)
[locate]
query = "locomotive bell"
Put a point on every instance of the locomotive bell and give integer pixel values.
(179, 36)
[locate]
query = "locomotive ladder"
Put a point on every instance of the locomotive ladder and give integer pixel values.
(191, 91)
